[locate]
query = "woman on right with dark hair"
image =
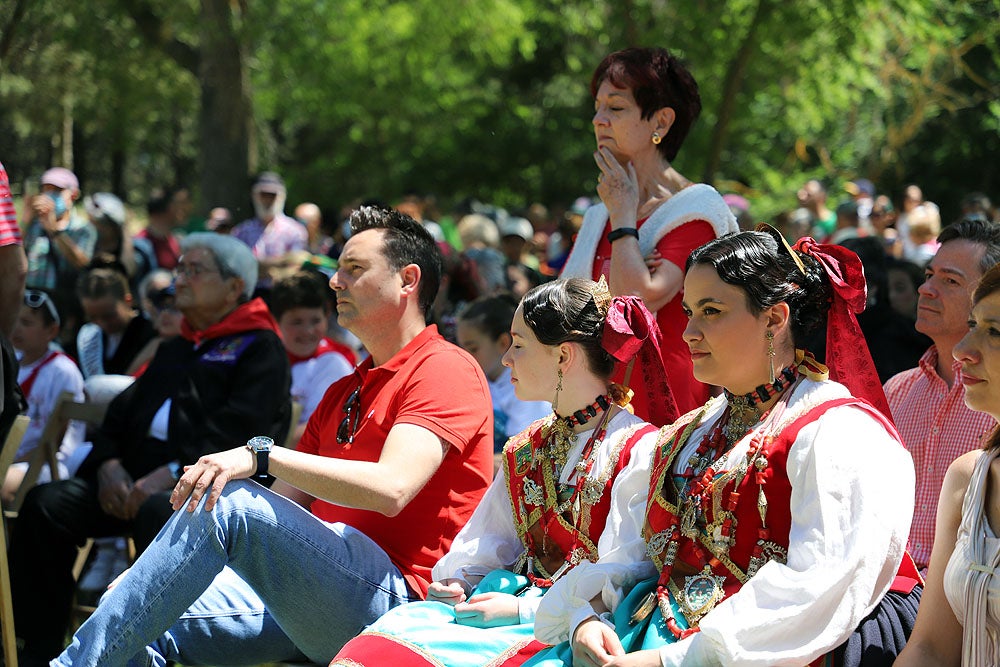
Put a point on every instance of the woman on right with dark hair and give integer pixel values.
(777, 515)
(959, 622)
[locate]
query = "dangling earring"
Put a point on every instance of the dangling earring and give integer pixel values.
(559, 387)
(770, 352)
(657, 138)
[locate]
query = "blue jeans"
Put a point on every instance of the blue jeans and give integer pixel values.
(257, 579)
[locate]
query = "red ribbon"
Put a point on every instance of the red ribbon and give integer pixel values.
(847, 353)
(631, 331)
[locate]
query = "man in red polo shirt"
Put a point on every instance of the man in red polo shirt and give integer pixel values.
(391, 465)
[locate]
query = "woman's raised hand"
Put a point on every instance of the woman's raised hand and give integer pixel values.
(618, 187)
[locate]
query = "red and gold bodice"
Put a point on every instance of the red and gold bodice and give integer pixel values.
(560, 524)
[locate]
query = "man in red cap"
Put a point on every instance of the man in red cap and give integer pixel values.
(58, 242)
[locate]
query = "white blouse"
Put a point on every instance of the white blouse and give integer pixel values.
(971, 581)
(851, 505)
(489, 540)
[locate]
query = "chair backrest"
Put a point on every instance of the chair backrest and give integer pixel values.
(12, 443)
(67, 408)
(293, 425)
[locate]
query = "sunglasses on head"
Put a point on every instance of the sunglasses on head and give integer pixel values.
(34, 298)
(352, 415)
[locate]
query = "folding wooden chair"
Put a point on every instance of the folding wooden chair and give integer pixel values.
(67, 408)
(7, 454)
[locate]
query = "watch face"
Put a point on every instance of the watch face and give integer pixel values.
(260, 443)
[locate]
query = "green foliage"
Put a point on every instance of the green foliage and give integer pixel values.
(489, 98)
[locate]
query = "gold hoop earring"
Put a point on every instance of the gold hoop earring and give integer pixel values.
(770, 352)
(657, 138)
(559, 387)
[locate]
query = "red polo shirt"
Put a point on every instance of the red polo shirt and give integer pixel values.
(429, 383)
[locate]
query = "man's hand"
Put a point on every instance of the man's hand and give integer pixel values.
(113, 487)
(595, 644)
(448, 591)
(211, 473)
(156, 481)
(488, 610)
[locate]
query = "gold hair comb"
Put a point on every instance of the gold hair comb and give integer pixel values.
(764, 227)
(602, 296)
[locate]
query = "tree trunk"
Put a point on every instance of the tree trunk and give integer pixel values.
(730, 89)
(224, 126)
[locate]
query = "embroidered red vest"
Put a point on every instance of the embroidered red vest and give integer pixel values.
(739, 564)
(551, 538)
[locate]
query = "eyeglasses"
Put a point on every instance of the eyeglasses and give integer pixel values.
(352, 415)
(34, 298)
(193, 270)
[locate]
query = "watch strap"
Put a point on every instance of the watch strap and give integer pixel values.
(622, 232)
(263, 458)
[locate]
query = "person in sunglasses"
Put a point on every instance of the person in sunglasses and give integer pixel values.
(391, 465)
(45, 373)
(548, 511)
(223, 380)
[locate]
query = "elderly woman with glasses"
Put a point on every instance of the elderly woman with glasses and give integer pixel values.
(222, 381)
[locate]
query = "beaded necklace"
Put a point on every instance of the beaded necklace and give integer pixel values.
(743, 409)
(562, 438)
(568, 496)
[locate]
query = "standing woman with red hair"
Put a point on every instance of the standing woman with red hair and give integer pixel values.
(645, 102)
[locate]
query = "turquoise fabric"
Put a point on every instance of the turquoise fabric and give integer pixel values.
(431, 630)
(648, 634)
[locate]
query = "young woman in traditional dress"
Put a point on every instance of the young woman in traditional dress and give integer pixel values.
(548, 511)
(778, 513)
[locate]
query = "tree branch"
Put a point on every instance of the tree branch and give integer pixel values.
(154, 31)
(7, 38)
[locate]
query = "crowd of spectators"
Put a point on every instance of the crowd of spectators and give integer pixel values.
(117, 298)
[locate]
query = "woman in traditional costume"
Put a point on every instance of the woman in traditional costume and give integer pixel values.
(778, 513)
(645, 102)
(959, 621)
(549, 510)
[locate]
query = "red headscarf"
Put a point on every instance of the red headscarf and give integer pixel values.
(630, 331)
(847, 352)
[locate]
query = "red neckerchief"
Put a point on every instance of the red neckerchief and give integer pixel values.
(246, 317)
(29, 381)
(326, 346)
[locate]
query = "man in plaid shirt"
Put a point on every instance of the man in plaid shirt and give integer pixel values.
(928, 402)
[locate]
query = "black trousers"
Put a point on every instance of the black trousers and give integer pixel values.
(55, 520)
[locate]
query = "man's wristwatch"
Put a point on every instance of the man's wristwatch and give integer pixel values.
(176, 469)
(261, 447)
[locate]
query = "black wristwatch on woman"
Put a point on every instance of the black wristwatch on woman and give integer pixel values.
(622, 232)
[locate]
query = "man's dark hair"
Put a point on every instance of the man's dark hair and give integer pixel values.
(405, 242)
(978, 230)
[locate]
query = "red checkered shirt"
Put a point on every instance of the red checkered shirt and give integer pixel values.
(10, 233)
(936, 427)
